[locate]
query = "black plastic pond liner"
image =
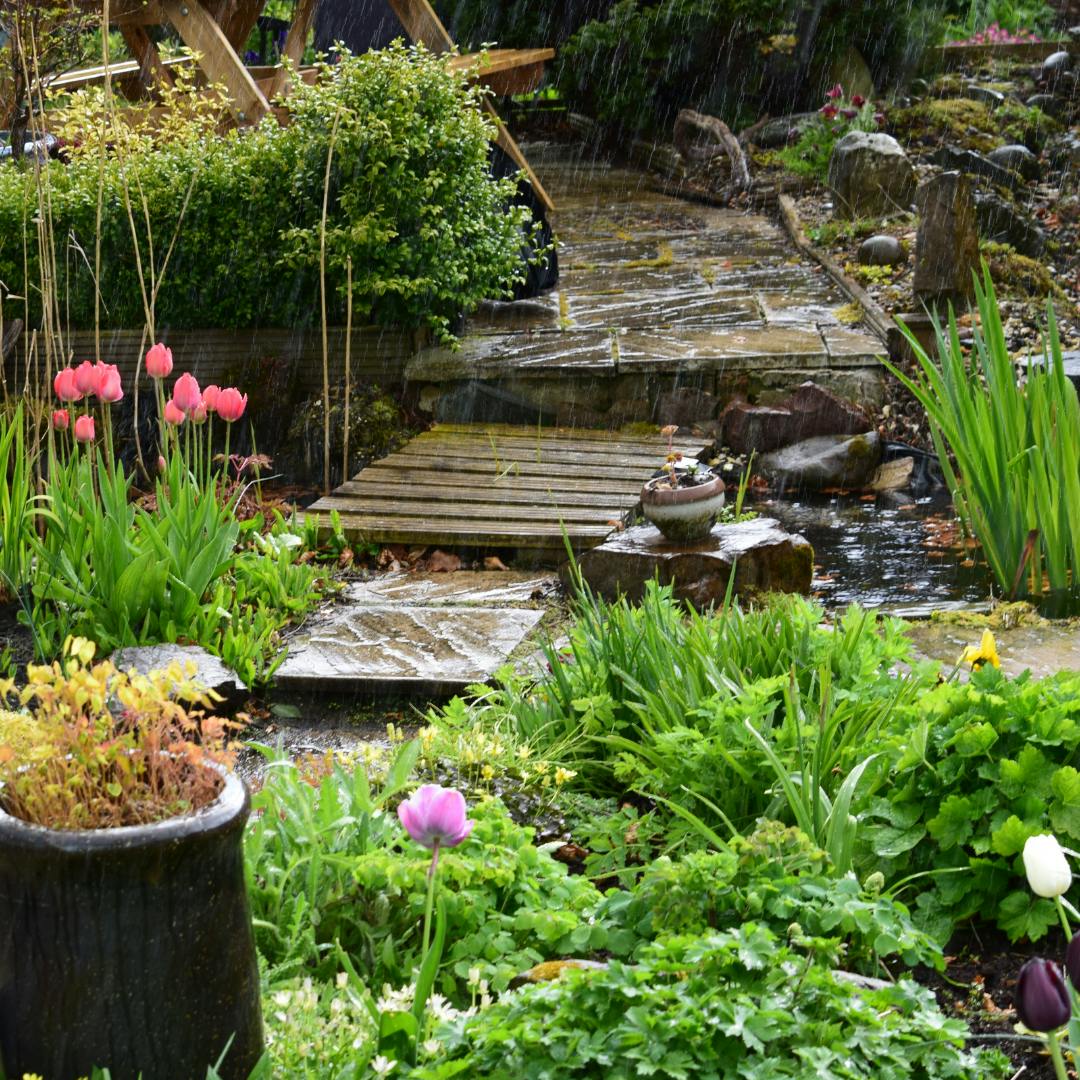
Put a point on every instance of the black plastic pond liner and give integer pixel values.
(129, 949)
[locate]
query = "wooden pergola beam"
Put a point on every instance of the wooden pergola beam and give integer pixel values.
(295, 43)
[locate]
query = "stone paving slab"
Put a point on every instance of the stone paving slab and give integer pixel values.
(1044, 650)
(426, 635)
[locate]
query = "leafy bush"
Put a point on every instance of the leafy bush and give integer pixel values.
(729, 1004)
(809, 155)
(410, 201)
(978, 768)
(774, 877)
(329, 876)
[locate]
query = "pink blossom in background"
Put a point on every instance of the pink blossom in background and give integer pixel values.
(186, 393)
(64, 385)
(230, 404)
(435, 816)
(173, 413)
(210, 396)
(835, 93)
(107, 383)
(159, 361)
(61, 419)
(84, 429)
(198, 414)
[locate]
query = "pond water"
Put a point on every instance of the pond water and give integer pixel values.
(906, 558)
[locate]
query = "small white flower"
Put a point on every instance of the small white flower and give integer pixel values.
(342, 980)
(1047, 868)
(431, 1047)
(383, 1066)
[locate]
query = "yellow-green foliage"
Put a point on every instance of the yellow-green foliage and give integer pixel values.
(951, 120)
(1019, 272)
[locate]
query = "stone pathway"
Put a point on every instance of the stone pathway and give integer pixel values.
(655, 294)
(420, 635)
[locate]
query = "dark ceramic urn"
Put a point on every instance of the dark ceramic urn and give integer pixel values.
(129, 949)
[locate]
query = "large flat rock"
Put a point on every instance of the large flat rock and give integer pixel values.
(1043, 649)
(765, 558)
(425, 635)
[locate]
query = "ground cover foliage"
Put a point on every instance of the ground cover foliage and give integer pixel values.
(409, 201)
(884, 804)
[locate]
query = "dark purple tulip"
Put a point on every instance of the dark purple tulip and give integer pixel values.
(1042, 999)
(1072, 960)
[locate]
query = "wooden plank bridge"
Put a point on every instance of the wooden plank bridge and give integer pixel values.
(501, 486)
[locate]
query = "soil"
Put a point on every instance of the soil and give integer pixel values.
(16, 643)
(978, 985)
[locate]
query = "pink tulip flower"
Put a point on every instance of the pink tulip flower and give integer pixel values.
(835, 93)
(230, 404)
(198, 414)
(107, 385)
(173, 413)
(434, 816)
(61, 419)
(64, 385)
(85, 378)
(186, 393)
(84, 429)
(161, 461)
(210, 396)
(158, 361)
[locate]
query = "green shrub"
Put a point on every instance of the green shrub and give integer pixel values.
(332, 873)
(411, 202)
(978, 768)
(728, 1005)
(774, 877)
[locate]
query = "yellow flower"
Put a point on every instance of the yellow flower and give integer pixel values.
(986, 653)
(562, 775)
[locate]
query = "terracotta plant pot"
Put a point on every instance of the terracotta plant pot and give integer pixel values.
(684, 514)
(129, 948)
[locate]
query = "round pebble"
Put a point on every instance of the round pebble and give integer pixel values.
(882, 250)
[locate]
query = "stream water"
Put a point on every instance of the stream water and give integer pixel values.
(905, 558)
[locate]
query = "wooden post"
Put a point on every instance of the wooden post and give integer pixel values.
(295, 43)
(152, 71)
(217, 57)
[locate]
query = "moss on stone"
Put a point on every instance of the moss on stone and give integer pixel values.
(1019, 272)
(1003, 617)
(950, 120)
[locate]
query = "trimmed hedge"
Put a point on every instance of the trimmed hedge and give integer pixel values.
(412, 202)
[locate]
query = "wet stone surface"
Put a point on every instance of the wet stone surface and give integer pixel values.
(426, 636)
(208, 669)
(1045, 649)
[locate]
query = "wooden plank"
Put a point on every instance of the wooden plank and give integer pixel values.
(566, 462)
(491, 493)
(469, 512)
(485, 534)
(239, 19)
(540, 485)
(217, 57)
(438, 463)
(124, 71)
(131, 12)
(534, 445)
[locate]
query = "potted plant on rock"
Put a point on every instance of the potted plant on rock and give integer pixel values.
(125, 933)
(684, 498)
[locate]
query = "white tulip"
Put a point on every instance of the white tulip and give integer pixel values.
(1047, 868)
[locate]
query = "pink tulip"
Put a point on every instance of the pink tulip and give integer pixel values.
(158, 361)
(161, 461)
(186, 393)
(85, 378)
(107, 386)
(61, 419)
(198, 414)
(64, 385)
(231, 404)
(173, 413)
(84, 429)
(210, 396)
(435, 816)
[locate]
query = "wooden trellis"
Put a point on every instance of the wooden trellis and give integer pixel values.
(216, 30)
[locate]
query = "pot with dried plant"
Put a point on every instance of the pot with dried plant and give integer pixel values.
(125, 931)
(684, 498)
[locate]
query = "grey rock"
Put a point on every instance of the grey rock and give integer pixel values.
(1056, 63)
(827, 461)
(882, 250)
(766, 559)
(1003, 223)
(1071, 362)
(986, 95)
(209, 670)
(967, 161)
(1047, 102)
(870, 175)
(778, 132)
(947, 242)
(1017, 158)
